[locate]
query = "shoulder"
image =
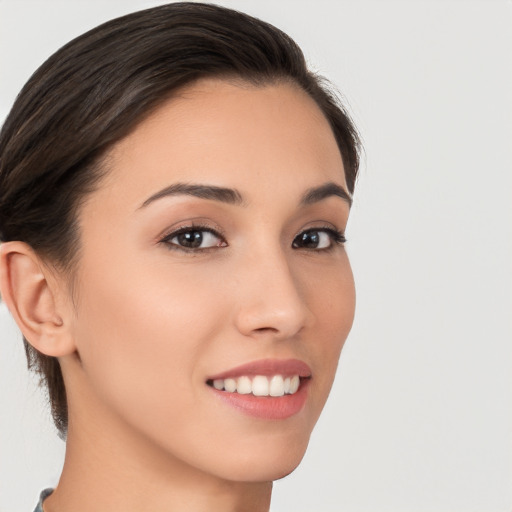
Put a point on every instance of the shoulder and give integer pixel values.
(42, 497)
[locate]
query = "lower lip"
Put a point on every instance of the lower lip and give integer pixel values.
(267, 407)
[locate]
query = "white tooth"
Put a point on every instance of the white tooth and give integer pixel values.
(287, 385)
(230, 385)
(276, 386)
(294, 384)
(260, 386)
(218, 384)
(243, 385)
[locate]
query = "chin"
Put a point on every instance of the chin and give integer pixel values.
(266, 472)
(265, 463)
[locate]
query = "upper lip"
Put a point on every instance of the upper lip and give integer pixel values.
(267, 367)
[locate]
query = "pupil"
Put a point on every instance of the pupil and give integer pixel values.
(310, 239)
(191, 239)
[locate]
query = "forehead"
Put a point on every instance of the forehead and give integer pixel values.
(217, 131)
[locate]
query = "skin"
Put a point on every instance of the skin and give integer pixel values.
(150, 322)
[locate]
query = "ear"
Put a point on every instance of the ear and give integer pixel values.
(35, 299)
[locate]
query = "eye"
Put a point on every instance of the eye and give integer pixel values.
(324, 238)
(190, 238)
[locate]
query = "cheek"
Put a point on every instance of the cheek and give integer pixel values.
(145, 333)
(332, 299)
(330, 294)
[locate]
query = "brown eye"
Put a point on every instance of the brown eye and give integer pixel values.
(194, 238)
(190, 239)
(317, 239)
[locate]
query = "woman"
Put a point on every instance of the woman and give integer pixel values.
(174, 190)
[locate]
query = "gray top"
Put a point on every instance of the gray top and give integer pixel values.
(43, 495)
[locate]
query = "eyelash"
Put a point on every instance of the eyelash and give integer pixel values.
(337, 238)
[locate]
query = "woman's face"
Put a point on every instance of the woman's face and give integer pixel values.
(213, 259)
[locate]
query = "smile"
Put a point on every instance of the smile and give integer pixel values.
(269, 389)
(258, 385)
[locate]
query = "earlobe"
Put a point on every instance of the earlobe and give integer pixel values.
(31, 294)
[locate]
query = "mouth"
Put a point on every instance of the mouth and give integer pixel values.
(259, 385)
(268, 389)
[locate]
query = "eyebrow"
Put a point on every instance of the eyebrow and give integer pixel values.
(316, 194)
(234, 197)
(224, 195)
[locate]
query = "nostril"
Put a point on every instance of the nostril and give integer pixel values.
(265, 329)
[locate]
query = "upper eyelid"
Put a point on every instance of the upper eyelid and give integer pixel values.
(192, 226)
(321, 228)
(199, 224)
(215, 231)
(330, 229)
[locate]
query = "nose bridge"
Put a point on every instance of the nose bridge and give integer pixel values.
(271, 299)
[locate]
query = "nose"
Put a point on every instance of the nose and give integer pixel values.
(271, 301)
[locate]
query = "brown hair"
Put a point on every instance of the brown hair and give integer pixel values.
(96, 89)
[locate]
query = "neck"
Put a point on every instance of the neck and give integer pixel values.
(98, 476)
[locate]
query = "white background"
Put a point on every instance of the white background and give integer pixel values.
(420, 417)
